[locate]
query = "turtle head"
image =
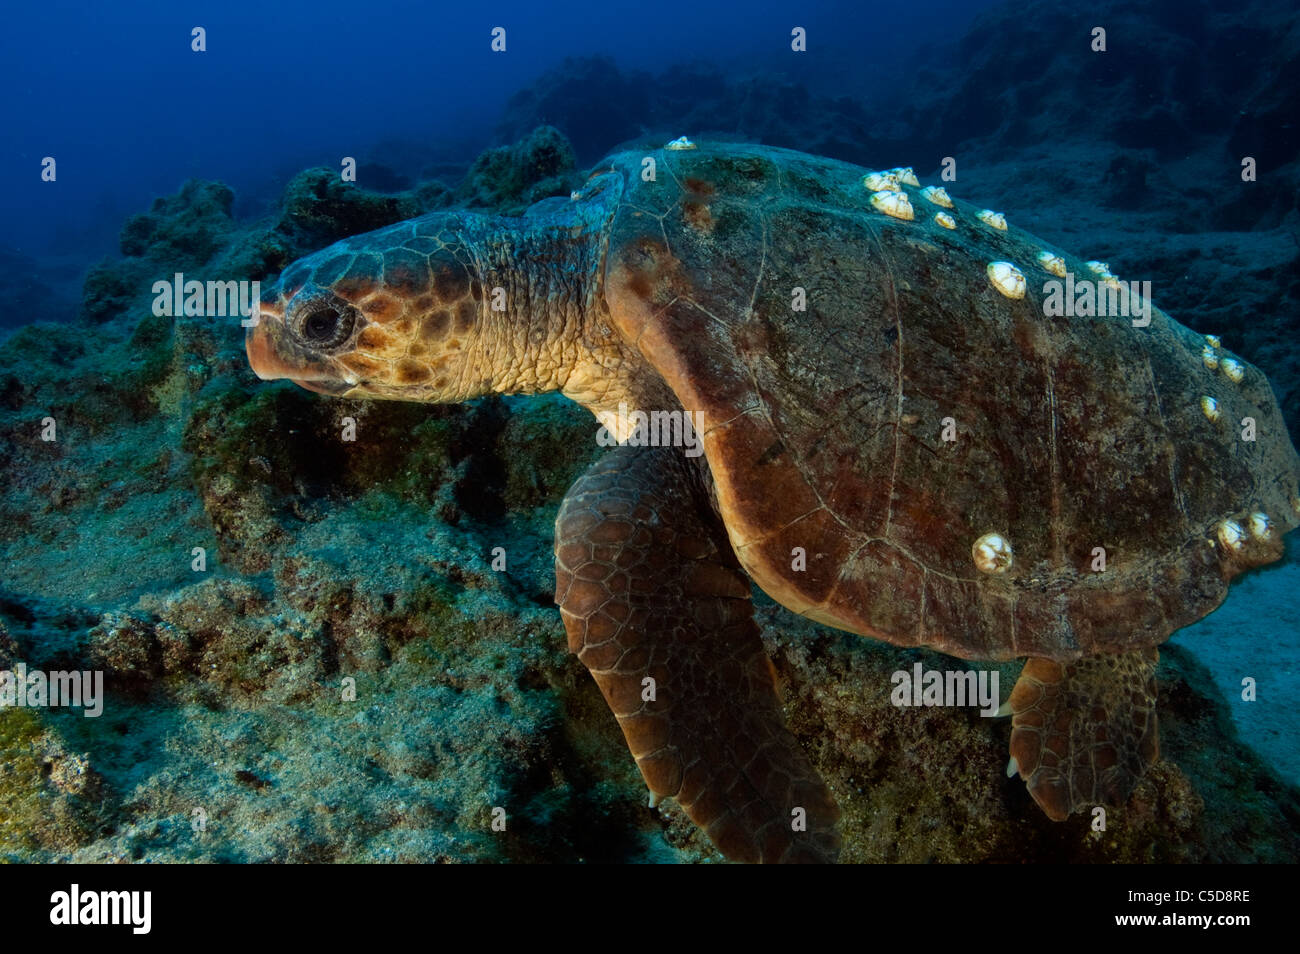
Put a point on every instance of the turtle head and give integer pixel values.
(390, 314)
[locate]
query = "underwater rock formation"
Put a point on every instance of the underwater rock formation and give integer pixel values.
(230, 733)
(511, 178)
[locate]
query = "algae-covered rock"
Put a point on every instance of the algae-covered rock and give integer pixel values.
(559, 438)
(927, 784)
(367, 665)
(323, 208)
(511, 178)
(110, 288)
(53, 799)
(183, 230)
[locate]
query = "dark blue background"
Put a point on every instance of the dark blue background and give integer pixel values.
(113, 92)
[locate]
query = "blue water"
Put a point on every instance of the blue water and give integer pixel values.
(116, 95)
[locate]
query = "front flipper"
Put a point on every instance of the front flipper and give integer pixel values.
(650, 590)
(1083, 733)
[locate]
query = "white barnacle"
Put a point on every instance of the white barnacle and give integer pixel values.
(1260, 528)
(881, 182)
(1213, 341)
(1232, 369)
(1230, 535)
(905, 175)
(946, 220)
(937, 195)
(1052, 263)
(1209, 358)
(994, 220)
(895, 204)
(1209, 407)
(992, 553)
(575, 195)
(1007, 279)
(1100, 268)
(681, 142)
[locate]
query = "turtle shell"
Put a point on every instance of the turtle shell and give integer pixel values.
(873, 406)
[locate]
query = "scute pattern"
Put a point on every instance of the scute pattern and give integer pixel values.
(824, 424)
(648, 588)
(1083, 733)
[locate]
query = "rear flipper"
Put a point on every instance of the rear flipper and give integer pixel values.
(658, 609)
(1083, 733)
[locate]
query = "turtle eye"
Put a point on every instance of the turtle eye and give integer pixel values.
(320, 326)
(324, 326)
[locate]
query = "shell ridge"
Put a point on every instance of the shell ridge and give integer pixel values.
(892, 297)
(1054, 607)
(1164, 429)
(1058, 553)
(762, 262)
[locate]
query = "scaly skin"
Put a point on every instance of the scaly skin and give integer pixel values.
(656, 606)
(421, 302)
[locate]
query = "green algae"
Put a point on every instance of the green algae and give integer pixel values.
(21, 792)
(511, 178)
(53, 799)
(559, 438)
(48, 345)
(110, 289)
(183, 230)
(152, 357)
(319, 204)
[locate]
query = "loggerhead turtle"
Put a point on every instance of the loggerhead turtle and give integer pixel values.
(898, 441)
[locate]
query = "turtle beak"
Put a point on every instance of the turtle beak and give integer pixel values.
(332, 388)
(265, 357)
(262, 357)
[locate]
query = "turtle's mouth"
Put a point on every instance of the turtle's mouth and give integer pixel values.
(332, 388)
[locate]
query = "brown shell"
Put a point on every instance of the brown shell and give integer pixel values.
(824, 426)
